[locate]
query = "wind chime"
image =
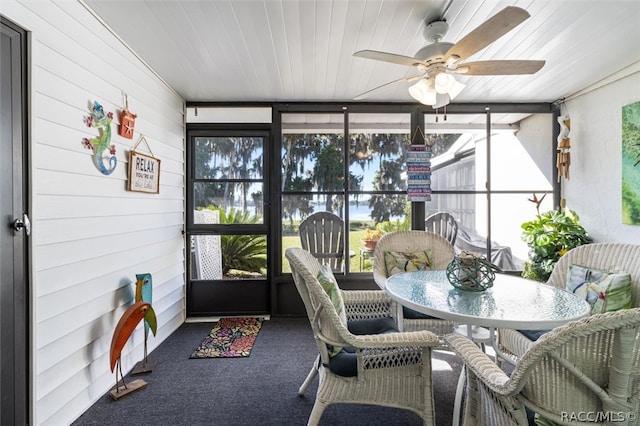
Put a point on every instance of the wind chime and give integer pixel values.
(563, 160)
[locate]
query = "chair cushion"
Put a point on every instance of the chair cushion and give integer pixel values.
(408, 313)
(372, 326)
(605, 291)
(345, 361)
(328, 282)
(397, 261)
(533, 335)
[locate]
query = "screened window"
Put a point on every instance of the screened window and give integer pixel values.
(361, 179)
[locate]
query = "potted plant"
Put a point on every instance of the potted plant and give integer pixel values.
(370, 238)
(549, 236)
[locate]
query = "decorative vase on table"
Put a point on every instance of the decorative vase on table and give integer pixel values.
(471, 272)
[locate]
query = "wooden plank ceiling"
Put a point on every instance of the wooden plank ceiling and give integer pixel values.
(286, 50)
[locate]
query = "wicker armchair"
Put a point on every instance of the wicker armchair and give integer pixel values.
(393, 369)
(604, 256)
(410, 241)
(583, 371)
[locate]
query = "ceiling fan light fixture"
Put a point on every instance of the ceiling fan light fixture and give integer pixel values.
(423, 92)
(456, 89)
(441, 101)
(439, 62)
(444, 82)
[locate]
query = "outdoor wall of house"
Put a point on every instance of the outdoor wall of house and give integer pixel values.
(594, 188)
(90, 235)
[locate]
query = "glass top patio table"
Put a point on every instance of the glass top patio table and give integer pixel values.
(512, 302)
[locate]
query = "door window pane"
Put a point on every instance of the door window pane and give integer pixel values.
(229, 175)
(242, 202)
(234, 256)
(228, 157)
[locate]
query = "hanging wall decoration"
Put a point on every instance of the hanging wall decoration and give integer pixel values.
(631, 164)
(101, 145)
(144, 170)
(127, 120)
(563, 160)
(418, 159)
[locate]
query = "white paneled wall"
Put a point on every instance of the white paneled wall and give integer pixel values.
(594, 189)
(90, 235)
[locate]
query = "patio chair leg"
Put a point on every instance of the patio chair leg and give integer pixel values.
(457, 403)
(316, 413)
(312, 375)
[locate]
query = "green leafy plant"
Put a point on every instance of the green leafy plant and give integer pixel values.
(246, 253)
(549, 236)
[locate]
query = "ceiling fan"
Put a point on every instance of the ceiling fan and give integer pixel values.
(439, 61)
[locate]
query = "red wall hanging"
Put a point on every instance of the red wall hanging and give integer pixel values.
(127, 121)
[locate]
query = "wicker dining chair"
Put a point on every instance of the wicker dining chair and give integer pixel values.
(603, 256)
(391, 369)
(441, 254)
(586, 370)
(443, 224)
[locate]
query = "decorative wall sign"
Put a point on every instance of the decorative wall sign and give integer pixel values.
(419, 172)
(102, 143)
(418, 159)
(144, 170)
(127, 120)
(631, 164)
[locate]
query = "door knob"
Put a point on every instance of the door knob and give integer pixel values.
(22, 224)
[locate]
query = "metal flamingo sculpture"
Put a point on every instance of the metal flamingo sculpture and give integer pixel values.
(125, 328)
(144, 293)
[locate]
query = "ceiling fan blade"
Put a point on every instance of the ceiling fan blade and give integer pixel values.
(391, 83)
(488, 32)
(498, 67)
(389, 57)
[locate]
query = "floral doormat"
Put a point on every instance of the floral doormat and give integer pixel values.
(229, 338)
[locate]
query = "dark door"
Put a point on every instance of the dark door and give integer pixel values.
(15, 227)
(227, 222)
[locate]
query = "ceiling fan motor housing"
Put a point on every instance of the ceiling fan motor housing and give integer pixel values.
(433, 53)
(435, 31)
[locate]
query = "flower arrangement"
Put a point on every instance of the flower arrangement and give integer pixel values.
(371, 237)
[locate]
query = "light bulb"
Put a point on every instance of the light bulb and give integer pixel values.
(423, 92)
(444, 82)
(455, 89)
